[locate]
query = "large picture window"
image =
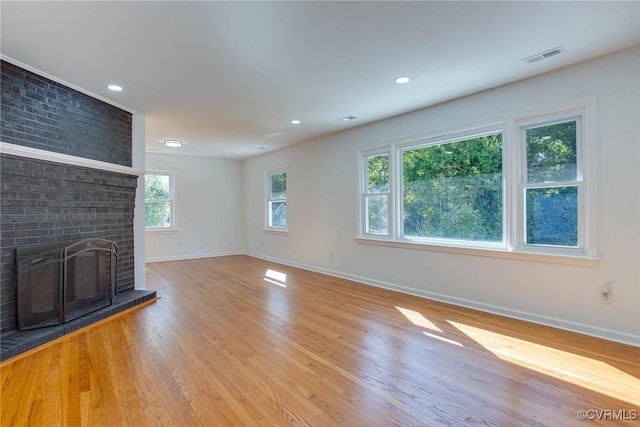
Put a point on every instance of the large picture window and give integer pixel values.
(276, 209)
(159, 208)
(453, 189)
(517, 187)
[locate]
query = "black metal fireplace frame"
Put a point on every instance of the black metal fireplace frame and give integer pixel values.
(28, 259)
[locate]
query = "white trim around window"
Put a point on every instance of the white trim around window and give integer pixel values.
(512, 241)
(578, 183)
(169, 200)
(275, 213)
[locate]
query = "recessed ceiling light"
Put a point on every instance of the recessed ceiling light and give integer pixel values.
(295, 122)
(402, 80)
(115, 88)
(175, 143)
(347, 118)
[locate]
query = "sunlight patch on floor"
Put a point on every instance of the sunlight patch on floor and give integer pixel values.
(276, 277)
(419, 320)
(572, 368)
(438, 337)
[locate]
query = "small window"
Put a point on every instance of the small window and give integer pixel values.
(159, 209)
(376, 194)
(553, 183)
(277, 200)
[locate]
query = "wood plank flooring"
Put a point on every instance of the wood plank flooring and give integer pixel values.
(238, 341)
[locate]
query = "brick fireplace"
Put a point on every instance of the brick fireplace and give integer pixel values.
(45, 202)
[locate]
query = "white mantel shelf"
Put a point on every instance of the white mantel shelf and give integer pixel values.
(35, 153)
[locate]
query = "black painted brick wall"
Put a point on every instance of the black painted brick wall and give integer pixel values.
(39, 113)
(44, 202)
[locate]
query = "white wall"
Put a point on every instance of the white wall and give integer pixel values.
(321, 209)
(137, 162)
(209, 208)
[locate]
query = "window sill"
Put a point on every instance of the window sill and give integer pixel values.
(577, 260)
(160, 230)
(278, 231)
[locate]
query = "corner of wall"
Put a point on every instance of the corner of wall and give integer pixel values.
(138, 162)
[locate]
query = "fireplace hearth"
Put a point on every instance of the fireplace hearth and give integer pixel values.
(57, 284)
(46, 311)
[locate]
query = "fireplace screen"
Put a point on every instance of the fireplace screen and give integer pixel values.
(58, 284)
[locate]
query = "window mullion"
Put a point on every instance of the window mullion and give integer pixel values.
(392, 201)
(511, 166)
(551, 184)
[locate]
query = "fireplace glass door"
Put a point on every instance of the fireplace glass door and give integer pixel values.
(59, 284)
(40, 288)
(88, 272)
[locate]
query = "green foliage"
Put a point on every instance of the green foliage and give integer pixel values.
(157, 206)
(552, 212)
(279, 185)
(378, 167)
(551, 153)
(156, 187)
(378, 214)
(454, 190)
(378, 205)
(278, 196)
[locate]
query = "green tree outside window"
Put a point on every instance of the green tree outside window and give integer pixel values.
(158, 201)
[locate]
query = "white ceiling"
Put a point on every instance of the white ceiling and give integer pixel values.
(228, 77)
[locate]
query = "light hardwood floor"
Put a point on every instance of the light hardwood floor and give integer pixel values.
(238, 341)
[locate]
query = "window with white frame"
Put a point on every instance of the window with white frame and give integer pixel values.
(551, 182)
(452, 189)
(276, 209)
(518, 186)
(376, 193)
(159, 198)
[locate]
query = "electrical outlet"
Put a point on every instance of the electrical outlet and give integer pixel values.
(605, 293)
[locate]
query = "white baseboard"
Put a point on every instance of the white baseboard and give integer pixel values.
(607, 334)
(196, 256)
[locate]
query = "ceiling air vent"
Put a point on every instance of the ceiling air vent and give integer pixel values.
(544, 55)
